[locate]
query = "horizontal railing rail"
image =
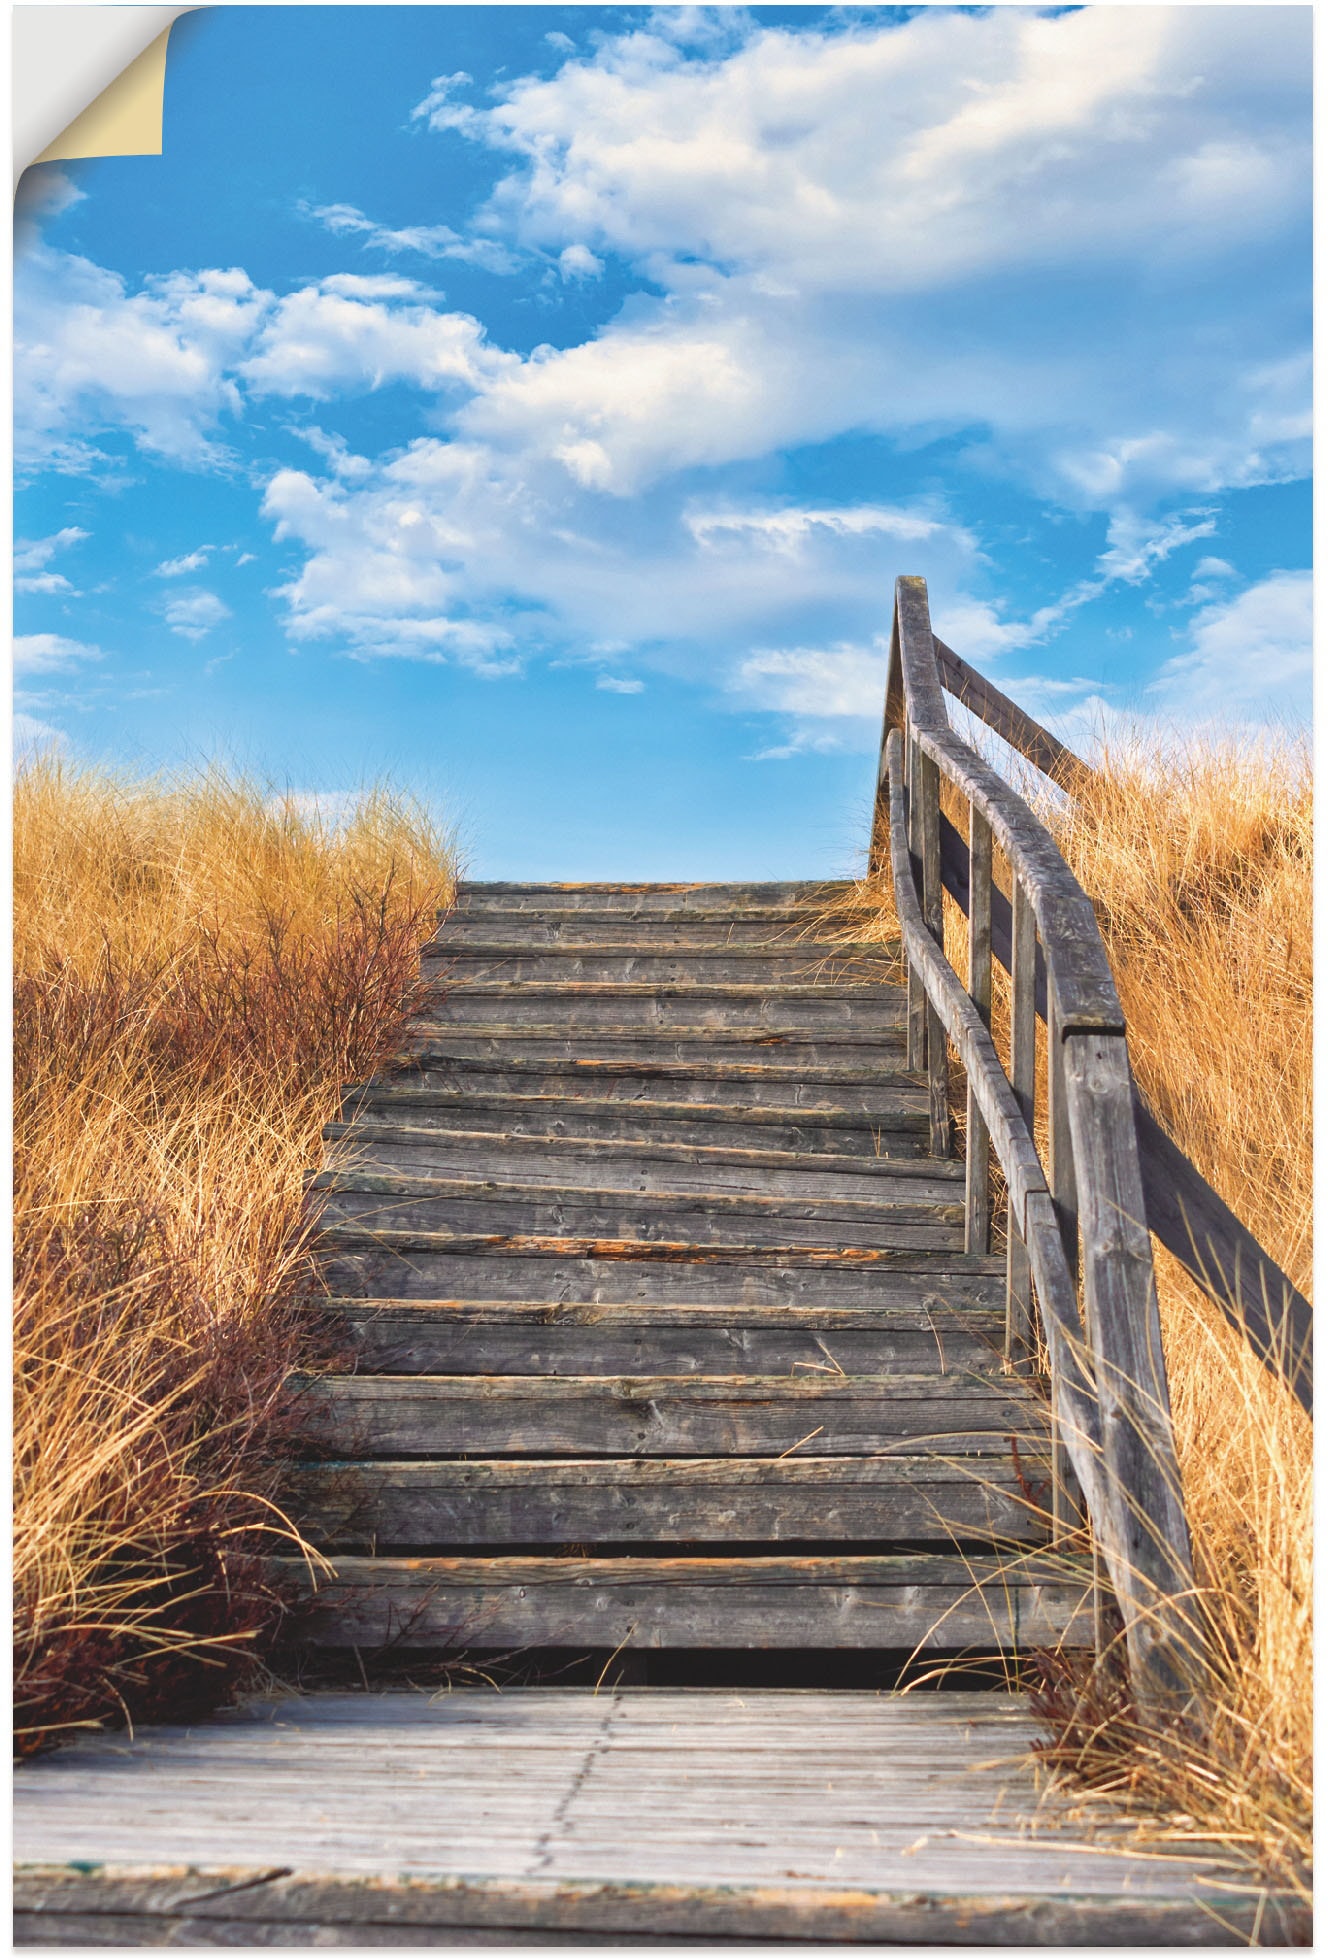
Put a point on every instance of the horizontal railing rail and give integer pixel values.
(1079, 1220)
(1187, 1216)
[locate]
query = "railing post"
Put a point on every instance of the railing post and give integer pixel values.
(928, 800)
(1067, 1500)
(1019, 1345)
(977, 1170)
(917, 999)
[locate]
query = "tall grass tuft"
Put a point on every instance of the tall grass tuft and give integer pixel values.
(1197, 856)
(199, 965)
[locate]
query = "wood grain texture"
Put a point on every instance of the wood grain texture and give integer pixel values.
(650, 1501)
(666, 1415)
(502, 1603)
(541, 1815)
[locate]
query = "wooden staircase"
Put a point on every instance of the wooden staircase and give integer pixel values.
(663, 1332)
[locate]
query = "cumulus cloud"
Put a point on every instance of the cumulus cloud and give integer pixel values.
(194, 614)
(32, 558)
(616, 684)
(1250, 657)
(349, 333)
(91, 357)
(46, 653)
(825, 266)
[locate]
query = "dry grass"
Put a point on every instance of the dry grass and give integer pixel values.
(198, 968)
(1198, 859)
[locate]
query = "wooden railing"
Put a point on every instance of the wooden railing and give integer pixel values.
(1077, 1226)
(1182, 1209)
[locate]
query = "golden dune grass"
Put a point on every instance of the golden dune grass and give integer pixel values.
(198, 968)
(1197, 855)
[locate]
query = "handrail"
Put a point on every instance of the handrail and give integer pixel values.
(1108, 1386)
(1183, 1211)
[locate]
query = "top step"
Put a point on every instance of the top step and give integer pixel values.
(653, 897)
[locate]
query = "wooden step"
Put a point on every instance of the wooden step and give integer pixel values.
(783, 975)
(857, 1053)
(538, 1337)
(617, 1008)
(792, 930)
(456, 1266)
(893, 1219)
(642, 1118)
(892, 1098)
(888, 1603)
(662, 1415)
(681, 896)
(633, 1500)
(640, 1164)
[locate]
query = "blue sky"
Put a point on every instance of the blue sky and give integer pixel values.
(535, 405)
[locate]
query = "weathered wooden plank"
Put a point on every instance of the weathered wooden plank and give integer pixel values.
(804, 1013)
(852, 1601)
(786, 974)
(682, 895)
(1020, 1337)
(529, 1338)
(651, 1501)
(768, 929)
(795, 1050)
(442, 1266)
(977, 1194)
(659, 1125)
(369, 1201)
(331, 1912)
(660, 1415)
(1037, 744)
(1140, 1525)
(616, 1161)
(822, 1093)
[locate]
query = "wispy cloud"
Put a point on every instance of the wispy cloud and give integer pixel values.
(192, 561)
(430, 241)
(32, 558)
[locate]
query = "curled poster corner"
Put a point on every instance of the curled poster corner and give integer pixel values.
(88, 81)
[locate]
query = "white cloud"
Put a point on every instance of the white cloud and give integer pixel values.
(32, 558)
(48, 653)
(839, 682)
(828, 266)
(1250, 658)
(194, 614)
(578, 262)
(615, 684)
(192, 561)
(348, 334)
(790, 530)
(92, 358)
(430, 241)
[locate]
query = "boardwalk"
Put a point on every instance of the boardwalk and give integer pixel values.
(627, 1816)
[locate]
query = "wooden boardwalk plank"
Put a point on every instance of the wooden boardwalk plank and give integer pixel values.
(556, 1501)
(542, 1338)
(669, 1415)
(509, 1604)
(397, 1819)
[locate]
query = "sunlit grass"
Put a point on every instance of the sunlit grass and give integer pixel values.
(199, 966)
(1197, 855)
